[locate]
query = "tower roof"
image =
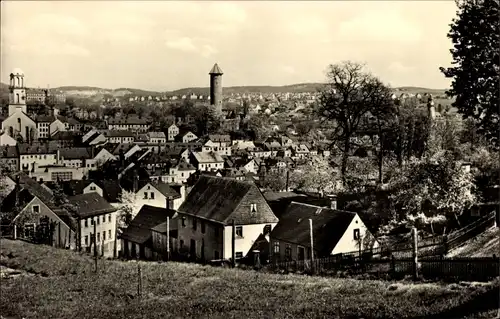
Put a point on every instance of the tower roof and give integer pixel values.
(216, 70)
(17, 71)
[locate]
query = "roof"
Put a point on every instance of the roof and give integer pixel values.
(90, 204)
(132, 120)
(7, 151)
(37, 148)
(216, 70)
(148, 217)
(207, 157)
(111, 190)
(185, 166)
(217, 199)
(119, 133)
(75, 153)
(156, 135)
(45, 118)
(328, 226)
(274, 196)
(217, 138)
(166, 190)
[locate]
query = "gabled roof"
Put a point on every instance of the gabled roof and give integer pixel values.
(156, 135)
(218, 198)
(218, 138)
(166, 190)
(118, 133)
(37, 148)
(75, 153)
(132, 120)
(185, 166)
(216, 70)
(207, 157)
(328, 226)
(90, 204)
(148, 217)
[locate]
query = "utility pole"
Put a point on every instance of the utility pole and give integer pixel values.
(312, 243)
(233, 241)
(168, 238)
(95, 246)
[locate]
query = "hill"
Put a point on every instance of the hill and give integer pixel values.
(60, 283)
(486, 244)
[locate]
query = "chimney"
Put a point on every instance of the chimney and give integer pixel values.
(17, 189)
(92, 151)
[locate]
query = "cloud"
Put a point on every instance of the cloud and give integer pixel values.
(183, 44)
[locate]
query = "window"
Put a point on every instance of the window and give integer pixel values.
(202, 226)
(86, 223)
(239, 231)
(103, 219)
(145, 195)
(109, 218)
(253, 208)
(92, 188)
(195, 224)
(238, 255)
(183, 221)
(288, 252)
(109, 234)
(356, 234)
(216, 255)
(92, 221)
(276, 247)
(152, 196)
(86, 240)
(104, 235)
(36, 209)
(98, 237)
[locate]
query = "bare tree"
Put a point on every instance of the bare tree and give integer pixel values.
(350, 95)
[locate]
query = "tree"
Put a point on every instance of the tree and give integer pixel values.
(275, 180)
(475, 35)
(129, 208)
(317, 175)
(349, 95)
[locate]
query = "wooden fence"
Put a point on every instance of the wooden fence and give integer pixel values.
(477, 269)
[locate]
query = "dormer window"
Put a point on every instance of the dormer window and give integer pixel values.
(253, 208)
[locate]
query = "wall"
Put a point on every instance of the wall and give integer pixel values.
(12, 121)
(93, 188)
(213, 241)
(159, 199)
(347, 243)
(66, 237)
(243, 244)
(106, 226)
(5, 139)
(27, 160)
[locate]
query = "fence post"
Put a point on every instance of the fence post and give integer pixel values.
(313, 265)
(168, 238)
(139, 282)
(393, 266)
(445, 244)
(95, 246)
(15, 231)
(415, 252)
(59, 234)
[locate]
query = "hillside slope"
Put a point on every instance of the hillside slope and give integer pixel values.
(485, 245)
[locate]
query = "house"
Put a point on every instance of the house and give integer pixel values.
(334, 231)
(248, 164)
(132, 123)
(186, 136)
(221, 148)
(158, 195)
(35, 211)
(157, 137)
(90, 209)
(172, 132)
(205, 218)
(207, 161)
(180, 173)
(143, 238)
(6, 140)
(119, 136)
(9, 158)
(41, 154)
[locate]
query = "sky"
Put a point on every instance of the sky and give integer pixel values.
(168, 45)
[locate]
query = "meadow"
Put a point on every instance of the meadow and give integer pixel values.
(55, 283)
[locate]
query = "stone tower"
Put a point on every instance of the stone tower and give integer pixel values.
(216, 87)
(17, 92)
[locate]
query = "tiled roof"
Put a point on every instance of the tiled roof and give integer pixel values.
(166, 190)
(208, 157)
(90, 204)
(37, 148)
(45, 118)
(118, 133)
(274, 196)
(75, 153)
(148, 217)
(219, 199)
(217, 138)
(328, 226)
(185, 166)
(7, 151)
(156, 135)
(132, 120)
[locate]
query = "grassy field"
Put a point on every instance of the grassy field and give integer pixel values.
(65, 286)
(485, 245)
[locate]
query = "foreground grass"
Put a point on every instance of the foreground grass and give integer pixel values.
(67, 287)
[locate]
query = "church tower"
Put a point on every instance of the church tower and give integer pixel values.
(216, 87)
(17, 92)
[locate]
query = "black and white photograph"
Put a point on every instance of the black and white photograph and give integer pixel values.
(250, 159)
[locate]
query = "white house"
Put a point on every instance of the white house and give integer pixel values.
(207, 161)
(173, 131)
(6, 140)
(205, 219)
(159, 195)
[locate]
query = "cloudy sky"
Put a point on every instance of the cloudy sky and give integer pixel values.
(166, 45)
